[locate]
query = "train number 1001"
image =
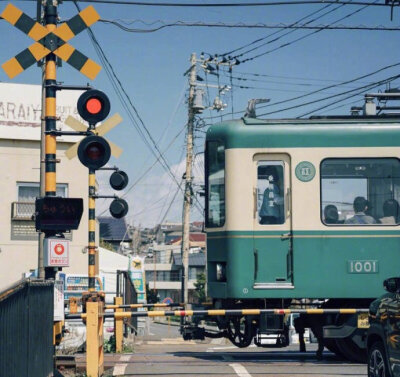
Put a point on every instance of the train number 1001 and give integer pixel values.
(362, 266)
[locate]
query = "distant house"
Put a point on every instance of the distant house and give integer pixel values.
(163, 267)
(114, 231)
(195, 240)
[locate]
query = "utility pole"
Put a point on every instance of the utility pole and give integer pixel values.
(188, 183)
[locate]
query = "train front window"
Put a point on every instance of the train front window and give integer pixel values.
(215, 184)
(360, 191)
(270, 192)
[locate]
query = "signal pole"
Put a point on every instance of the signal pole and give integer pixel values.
(188, 184)
(41, 273)
(50, 75)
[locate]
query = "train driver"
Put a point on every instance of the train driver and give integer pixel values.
(360, 205)
(271, 211)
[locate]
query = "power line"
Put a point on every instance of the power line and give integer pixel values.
(307, 35)
(249, 26)
(291, 31)
(205, 5)
(270, 35)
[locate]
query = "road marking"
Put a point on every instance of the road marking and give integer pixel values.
(119, 369)
(125, 358)
(240, 370)
(227, 348)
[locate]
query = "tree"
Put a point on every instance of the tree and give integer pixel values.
(200, 287)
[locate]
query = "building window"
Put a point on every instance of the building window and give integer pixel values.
(360, 191)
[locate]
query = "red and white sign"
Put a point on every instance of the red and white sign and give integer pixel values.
(57, 252)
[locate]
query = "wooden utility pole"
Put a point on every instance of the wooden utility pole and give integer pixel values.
(188, 183)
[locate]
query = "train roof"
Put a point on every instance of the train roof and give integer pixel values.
(338, 131)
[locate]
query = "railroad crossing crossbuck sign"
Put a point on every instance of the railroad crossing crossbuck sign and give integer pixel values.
(50, 41)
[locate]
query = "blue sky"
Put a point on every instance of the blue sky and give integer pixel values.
(151, 67)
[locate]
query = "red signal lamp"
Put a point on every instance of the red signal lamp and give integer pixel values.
(93, 106)
(94, 152)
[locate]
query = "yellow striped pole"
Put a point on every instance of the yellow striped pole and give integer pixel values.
(50, 113)
(92, 232)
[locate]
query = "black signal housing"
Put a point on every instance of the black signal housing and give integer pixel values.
(93, 106)
(118, 208)
(94, 152)
(119, 180)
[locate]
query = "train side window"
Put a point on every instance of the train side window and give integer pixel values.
(270, 192)
(360, 191)
(215, 184)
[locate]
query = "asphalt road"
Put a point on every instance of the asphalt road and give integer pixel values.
(164, 353)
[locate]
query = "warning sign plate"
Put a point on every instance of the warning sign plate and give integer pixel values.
(56, 252)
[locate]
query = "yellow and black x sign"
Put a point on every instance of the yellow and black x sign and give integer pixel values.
(47, 41)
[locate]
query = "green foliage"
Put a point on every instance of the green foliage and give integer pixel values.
(200, 287)
(109, 345)
(152, 295)
(106, 245)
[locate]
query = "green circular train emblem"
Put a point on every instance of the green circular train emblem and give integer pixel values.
(305, 171)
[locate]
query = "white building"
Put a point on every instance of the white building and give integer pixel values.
(20, 112)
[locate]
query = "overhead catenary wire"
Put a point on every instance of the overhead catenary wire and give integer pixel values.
(361, 89)
(386, 81)
(339, 84)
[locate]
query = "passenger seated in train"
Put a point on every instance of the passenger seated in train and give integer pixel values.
(271, 211)
(390, 212)
(360, 206)
(331, 214)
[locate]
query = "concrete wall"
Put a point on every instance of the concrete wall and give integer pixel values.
(19, 162)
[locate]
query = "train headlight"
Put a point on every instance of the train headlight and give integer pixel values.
(221, 271)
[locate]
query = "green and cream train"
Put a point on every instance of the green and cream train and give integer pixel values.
(302, 213)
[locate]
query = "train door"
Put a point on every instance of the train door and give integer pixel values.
(272, 222)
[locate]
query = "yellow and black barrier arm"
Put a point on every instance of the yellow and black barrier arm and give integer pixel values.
(136, 306)
(221, 312)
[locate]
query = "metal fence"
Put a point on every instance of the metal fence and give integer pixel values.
(126, 289)
(26, 329)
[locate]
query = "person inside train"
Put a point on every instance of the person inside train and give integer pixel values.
(331, 214)
(271, 211)
(360, 206)
(390, 212)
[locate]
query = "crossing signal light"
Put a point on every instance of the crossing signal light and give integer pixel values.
(118, 208)
(119, 180)
(94, 152)
(53, 213)
(93, 106)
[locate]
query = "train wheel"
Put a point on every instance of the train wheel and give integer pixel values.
(351, 351)
(332, 346)
(347, 347)
(240, 331)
